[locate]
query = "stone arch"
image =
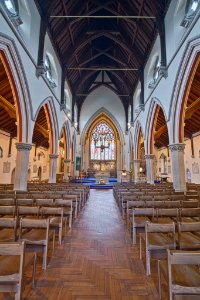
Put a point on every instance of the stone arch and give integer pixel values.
(103, 114)
(50, 111)
(66, 133)
(18, 81)
(155, 105)
(138, 131)
(92, 119)
(181, 88)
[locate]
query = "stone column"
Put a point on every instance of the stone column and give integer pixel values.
(131, 170)
(150, 168)
(21, 171)
(66, 169)
(178, 167)
(52, 167)
(136, 169)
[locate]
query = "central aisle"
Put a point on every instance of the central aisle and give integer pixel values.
(96, 260)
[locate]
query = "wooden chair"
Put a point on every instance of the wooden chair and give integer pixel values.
(13, 263)
(158, 238)
(7, 202)
(167, 215)
(189, 215)
(25, 202)
(8, 229)
(181, 271)
(55, 215)
(44, 202)
(28, 211)
(38, 237)
(139, 219)
(189, 236)
(7, 211)
(68, 209)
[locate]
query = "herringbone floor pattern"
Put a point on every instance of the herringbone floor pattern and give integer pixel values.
(96, 260)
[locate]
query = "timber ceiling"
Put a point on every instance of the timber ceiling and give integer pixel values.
(192, 113)
(161, 137)
(41, 131)
(7, 108)
(8, 120)
(103, 43)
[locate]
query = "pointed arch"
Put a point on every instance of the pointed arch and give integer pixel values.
(137, 135)
(183, 81)
(50, 112)
(152, 116)
(66, 134)
(105, 112)
(17, 79)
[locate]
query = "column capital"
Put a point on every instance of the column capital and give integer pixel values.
(179, 147)
(149, 156)
(53, 156)
(23, 146)
(67, 161)
(137, 161)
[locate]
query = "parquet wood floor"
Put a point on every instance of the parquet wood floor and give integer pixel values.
(96, 260)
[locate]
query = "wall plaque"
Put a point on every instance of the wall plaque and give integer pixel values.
(6, 167)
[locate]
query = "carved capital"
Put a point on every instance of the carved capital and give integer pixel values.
(40, 70)
(67, 161)
(177, 147)
(163, 71)
(62, 105)
(150, 156)
(137, 161)
(53, 156)
(23, 146)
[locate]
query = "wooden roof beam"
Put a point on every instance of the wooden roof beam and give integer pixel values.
(42, 130)
(8, 107)
(192, 108)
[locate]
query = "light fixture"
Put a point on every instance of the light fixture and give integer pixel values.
(141, 170)
(123, 172)
(69, 114)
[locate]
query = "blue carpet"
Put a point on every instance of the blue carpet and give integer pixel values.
(93, 185)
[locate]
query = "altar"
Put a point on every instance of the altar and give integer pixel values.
(102, 177)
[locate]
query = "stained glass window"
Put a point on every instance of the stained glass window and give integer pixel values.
(102, 145)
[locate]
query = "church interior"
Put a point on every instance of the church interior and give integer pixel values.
(99, 149)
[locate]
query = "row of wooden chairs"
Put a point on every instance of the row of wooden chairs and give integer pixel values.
(12, 207)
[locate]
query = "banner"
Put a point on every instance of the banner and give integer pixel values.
(78, 163)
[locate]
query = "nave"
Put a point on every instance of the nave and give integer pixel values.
(95, 261)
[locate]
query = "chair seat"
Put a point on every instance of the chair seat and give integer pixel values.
(183, 277)
(189, 241)
(55, 221)
(35, 236)
(10, 264)
(165, 220)
(160, 241)
(140, 221)
(6, 235)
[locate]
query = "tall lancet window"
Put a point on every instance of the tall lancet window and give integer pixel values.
(103, 143)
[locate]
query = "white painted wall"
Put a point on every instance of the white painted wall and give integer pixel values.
(102, 98)
(34, 162)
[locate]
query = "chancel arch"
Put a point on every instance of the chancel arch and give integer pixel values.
(102, 146)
